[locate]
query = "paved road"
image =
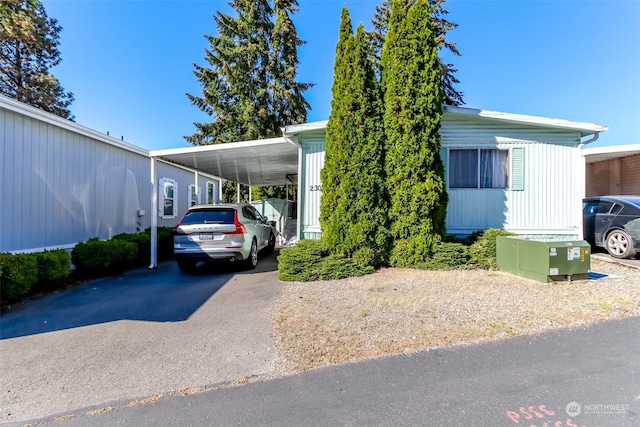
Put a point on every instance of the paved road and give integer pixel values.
(586, 377)
(603, 255)
(146, 332)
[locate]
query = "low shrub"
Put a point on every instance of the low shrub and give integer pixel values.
(143, 243)
(95, 258)
(447, 256)
(311, 260)
(18, 273)
(483, 251)
(54, 267)
(335, 267)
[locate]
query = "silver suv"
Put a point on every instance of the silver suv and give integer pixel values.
(226, 232)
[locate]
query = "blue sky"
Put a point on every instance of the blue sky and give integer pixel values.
(129, 63)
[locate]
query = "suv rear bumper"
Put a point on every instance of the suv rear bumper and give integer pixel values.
(209, 256)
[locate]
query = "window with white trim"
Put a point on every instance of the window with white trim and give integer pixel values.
(211, 193)
(169, 198)
(478, 168)
(194, 196)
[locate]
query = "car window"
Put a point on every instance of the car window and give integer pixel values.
(248, 213)
(617, 207)
(217, 216)
(604, 207)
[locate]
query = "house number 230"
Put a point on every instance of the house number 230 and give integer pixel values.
(315, 188)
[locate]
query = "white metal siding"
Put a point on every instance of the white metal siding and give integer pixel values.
(312, 164)
(546, 205)
(61, 187)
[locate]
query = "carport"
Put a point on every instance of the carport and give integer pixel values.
(261, 163)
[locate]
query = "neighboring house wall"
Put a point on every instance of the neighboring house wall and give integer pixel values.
(614, 176)
(541, 195)
(62, 183)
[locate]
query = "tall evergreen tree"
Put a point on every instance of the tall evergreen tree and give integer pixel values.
(353, 203)
(29, 49)
(413, 110)
(249, 87)
(441, 26)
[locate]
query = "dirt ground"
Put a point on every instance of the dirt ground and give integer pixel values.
(397, 311)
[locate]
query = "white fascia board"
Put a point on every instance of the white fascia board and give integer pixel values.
(613, 149)
(216, 147)
(304, 127)
(43, 116)
(598, 154)
(583, 127)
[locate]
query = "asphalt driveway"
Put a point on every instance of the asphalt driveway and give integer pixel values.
(132, 336)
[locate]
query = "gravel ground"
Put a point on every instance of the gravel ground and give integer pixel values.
(397, 311)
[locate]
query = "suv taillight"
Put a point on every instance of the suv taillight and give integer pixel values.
(175, 228)
(239, 227)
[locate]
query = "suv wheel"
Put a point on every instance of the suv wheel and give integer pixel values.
(252, 260)
(271, 245)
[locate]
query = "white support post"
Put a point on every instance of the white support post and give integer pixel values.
(196, 183)
(238, 192)
(154, 216)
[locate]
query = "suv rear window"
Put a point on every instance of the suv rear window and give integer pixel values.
(217, 216)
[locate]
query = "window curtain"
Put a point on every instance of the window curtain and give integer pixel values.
(493, 168)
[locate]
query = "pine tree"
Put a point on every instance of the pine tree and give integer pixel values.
(441, 27)
(353, 203)
(249, 86)
(29, 49)
(413, 110)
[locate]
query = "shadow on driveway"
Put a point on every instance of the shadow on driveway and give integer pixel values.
(161, 295)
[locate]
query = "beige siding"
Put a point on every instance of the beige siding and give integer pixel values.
(597, 179)
(630, 175)
(614, 176)
(61, 185)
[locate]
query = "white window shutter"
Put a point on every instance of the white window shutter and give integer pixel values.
(517, 169)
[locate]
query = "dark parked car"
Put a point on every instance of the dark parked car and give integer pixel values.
(613, 223)
(226, 232)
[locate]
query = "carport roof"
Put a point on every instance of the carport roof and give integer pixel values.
(255, 163)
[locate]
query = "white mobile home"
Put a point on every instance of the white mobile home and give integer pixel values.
(63, 183)
(521, 173)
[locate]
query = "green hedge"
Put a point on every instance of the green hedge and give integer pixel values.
(18, 273)
(95, 257)
(54, 267)
(310, 260)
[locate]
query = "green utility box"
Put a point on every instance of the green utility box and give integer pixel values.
(544, 260)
